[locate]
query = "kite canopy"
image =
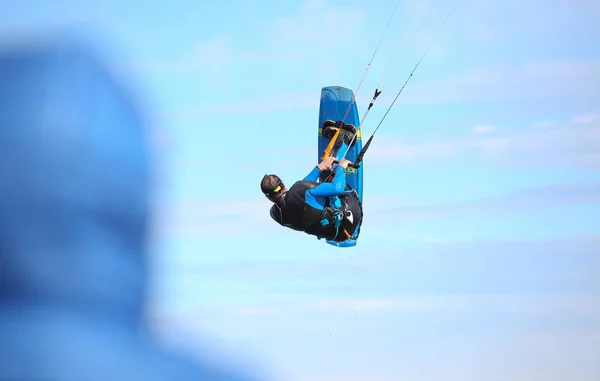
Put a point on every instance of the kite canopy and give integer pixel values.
(74, 201)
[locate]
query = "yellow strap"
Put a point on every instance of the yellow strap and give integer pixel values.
(330, 145)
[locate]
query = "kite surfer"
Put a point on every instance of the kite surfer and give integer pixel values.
(328, 210)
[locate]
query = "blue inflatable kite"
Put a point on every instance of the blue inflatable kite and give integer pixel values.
(75, 192)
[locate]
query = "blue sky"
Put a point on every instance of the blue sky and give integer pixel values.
(481, 239)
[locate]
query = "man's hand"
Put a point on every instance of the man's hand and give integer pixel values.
(344, 163)
(326, 164)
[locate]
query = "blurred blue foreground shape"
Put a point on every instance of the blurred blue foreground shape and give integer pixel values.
(74, 175)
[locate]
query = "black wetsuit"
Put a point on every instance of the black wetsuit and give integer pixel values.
(327, 210)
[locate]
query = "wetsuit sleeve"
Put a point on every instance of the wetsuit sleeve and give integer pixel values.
(334, 188)
(314, 174)
(276, 214)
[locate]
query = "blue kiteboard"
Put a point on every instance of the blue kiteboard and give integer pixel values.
(337, 105)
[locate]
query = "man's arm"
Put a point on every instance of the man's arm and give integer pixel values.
(275, 213)
(324, 165)
(334, 188)
(314, 174)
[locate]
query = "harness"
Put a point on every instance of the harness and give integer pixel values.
(343, 209)
(336, 205)
(292, 211)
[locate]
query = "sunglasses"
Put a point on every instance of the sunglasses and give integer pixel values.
(280, 186)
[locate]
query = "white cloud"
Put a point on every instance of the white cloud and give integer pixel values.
(534, 81)
(360, 305)
(526, 302)
(542, 198)
(575, 143)
(545, 124)
(255, 311)
(484, 129)
(304, 34)
(264, 105)
(195, 217)
(552, 303)
(293, 51)
(587, 6)
(213, 52)
(587, 118)
(294, 39)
